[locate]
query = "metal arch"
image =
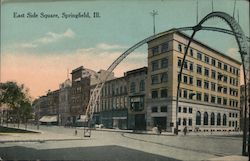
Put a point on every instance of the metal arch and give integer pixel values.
(213, 29)
(243, 50)
(241, 39)
(97, 90)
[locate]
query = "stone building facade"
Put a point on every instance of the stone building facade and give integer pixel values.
(209, 91)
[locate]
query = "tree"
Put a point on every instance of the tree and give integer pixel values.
(17, 99)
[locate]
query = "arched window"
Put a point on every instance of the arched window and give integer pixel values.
(212, 119)
(218, 119)
(205, 120)
(198, 118)
(224, 120)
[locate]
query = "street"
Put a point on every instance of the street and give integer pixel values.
(104, 145)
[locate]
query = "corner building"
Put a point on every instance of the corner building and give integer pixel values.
(209, 98)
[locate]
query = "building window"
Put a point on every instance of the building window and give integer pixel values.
(191, 52)
(198, 118)
(179, 62)
(212, 99)
(225, 90)
(185, 65)
(206, 97)
(164, 47)
(225, 78)
(212, 119)
(213, 62)
(224, 120)
(154, 94)
(199, 69)
(220, 76)
(164, 108)
(207, 59)
(164, 63)
(230, 124)
(218, 119)
(190, 122)
(155, 79)
(213, 74)
(142, 85)
(213, 86)
(179, 121)
(164, 77)
(198, 96)
(155, 65)
(224, 101)
(154, 109)
(180, 48)
(199, 83)
(164, 93)
(225, 67)
(185, 94)
(219, 100)
(219, 88)
(155, 50)
(184, 122)
(185, 79)
(205, 121)
(191, 67)
(206, 72)
(199, 56)
(190, 110)
(191, 94)
(191, 80)
(184, 109)
(206, 84)
(132, 87)
(179, 109)
(219, 65)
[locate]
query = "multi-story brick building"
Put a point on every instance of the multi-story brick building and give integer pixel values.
(136, 83)
(209, 90)
(113, 104)
(79, 93)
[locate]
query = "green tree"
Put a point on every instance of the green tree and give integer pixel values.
(17, 99)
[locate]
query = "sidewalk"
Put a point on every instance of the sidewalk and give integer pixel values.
(230, 158)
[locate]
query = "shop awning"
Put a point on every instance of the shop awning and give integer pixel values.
(49, 118)
(83, 118)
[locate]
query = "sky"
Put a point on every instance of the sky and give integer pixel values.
(39, 51)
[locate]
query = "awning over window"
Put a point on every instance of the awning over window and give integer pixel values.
(83, 118)
(49, 118)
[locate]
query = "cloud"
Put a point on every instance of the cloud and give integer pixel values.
(105, 46)
(49, 37)
(40, 72)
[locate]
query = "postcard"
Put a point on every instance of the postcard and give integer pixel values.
(124, 80)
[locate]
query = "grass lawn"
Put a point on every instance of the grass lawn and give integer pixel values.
(13, 130)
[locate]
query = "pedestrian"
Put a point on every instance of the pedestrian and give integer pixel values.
(159, 128)
(185, 130)
(75, 132)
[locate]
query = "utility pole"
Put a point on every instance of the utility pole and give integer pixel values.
(234, 7)
(154, 13)
(212, 5)
(197, 11)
